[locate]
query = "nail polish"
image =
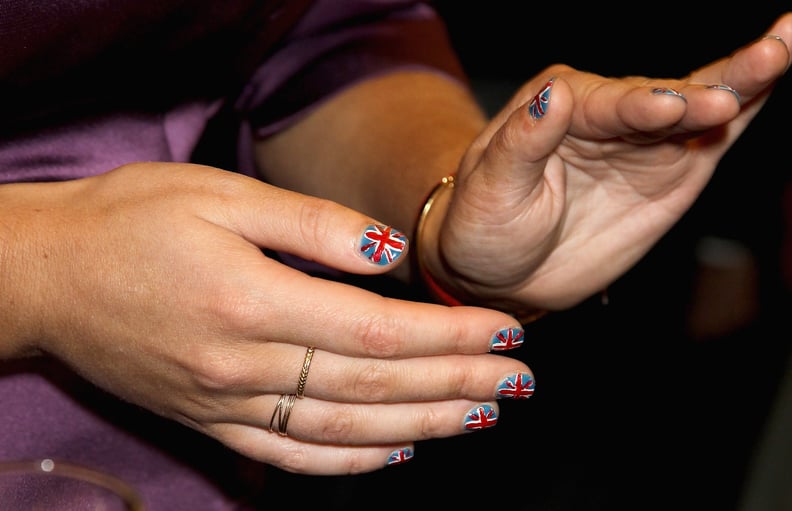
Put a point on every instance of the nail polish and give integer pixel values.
(382, 245)
(507, 339)
(516, 386)
(481, 417)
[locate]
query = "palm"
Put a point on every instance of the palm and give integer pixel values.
(598, 180)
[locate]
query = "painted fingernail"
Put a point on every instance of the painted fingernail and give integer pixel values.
(720, 86)
(481, 417)
(537, 108)
(382, 245)
(668, 91)
(507, 339)
(400, 456)
(516, 386)
(773, 36)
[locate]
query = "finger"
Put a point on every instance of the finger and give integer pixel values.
(352, 321)
(316, 423)
(648, 110)
(333, 377)
(326, 422)
(316, 230)
(608, 108)
(301, 457)
(713, 93)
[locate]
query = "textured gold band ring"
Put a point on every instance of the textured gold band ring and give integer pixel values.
(304, 373)
(282, 412)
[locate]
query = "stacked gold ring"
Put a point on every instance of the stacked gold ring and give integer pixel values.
(282, 411)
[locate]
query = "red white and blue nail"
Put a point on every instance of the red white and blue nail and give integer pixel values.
(400, 456)
(516, 386)
(481, 417)
(537, 108)
(382, 244)
(507, 339)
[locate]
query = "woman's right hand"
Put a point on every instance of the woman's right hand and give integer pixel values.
(150, 281)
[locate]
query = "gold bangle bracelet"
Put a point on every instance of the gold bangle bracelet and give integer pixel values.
(431, 285)
(433, 288)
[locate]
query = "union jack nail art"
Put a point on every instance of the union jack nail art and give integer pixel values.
(382, 245)
(481, 417)
(400, 456)
(507, 339)
(537, 108)
(517, 386)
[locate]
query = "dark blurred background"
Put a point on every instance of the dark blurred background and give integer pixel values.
(670, 396)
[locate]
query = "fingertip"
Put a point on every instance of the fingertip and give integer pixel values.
(537, 126)
(551, 97)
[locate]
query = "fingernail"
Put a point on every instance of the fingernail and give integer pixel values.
(481, 417)
(382, 245)
(773, 36)
(720, 86)
(537, 108)
(516, 386)
(507, 339)
(668, 91)
(400, 456)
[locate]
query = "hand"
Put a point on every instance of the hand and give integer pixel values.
(150, 282)
(559, 204)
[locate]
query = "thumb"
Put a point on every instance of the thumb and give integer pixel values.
(517, 171)
(524, 136)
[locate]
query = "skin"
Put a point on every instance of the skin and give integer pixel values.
(603, 141)
(189, 318)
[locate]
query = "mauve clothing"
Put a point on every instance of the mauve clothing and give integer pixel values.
(88, 85)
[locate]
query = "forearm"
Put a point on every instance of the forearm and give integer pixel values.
(379, 147)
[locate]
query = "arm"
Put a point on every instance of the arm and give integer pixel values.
(378, 147)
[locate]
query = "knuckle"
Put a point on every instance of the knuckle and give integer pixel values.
(215, 369)
(339, 427)
(314, 223)
(293, 459)
(355, 464)
(429, 424)
(378, 334)
(374, 382)
(233, 309)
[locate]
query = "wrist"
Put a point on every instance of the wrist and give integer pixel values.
(435, 274)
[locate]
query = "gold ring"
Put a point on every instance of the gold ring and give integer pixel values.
(304, 372)
(282, 411)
